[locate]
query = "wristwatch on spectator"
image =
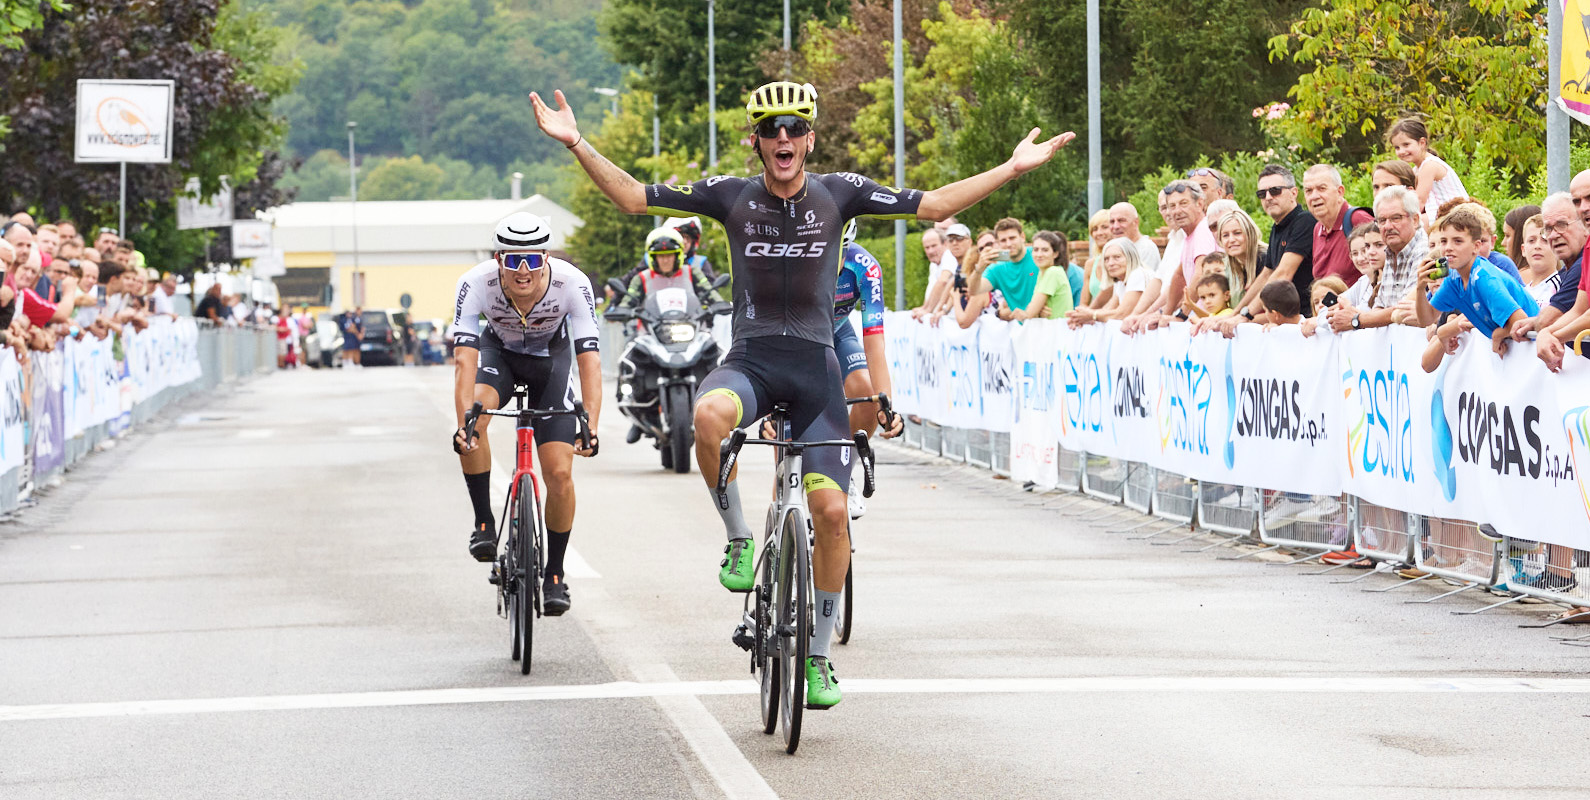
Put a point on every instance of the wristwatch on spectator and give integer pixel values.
(1357, 321)
(1246, 312)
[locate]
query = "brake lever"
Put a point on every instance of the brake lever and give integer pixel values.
(728, 453)
(587, 440)
(471, 419)
(864, 453)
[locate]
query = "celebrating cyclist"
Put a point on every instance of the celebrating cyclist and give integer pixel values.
(784, 230)
(540, 317)
(666, 268)
(861, 284)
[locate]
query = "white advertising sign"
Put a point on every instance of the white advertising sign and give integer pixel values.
(251, 238)
(195, 212)
(124, 121)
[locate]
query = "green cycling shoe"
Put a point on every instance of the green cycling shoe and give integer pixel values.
(737, 565)
(822, 688)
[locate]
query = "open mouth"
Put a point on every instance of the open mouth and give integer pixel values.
(784, 157)
(522, 279)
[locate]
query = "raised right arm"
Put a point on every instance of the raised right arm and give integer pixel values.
(619, 186)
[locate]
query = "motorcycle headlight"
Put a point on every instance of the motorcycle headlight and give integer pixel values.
(676, 332)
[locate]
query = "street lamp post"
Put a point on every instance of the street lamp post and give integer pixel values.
(899, 160)
(353, 218)
(712, 85)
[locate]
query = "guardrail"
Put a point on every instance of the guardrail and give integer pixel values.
(68, 403)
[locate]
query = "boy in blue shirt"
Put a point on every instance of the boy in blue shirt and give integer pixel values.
(1476, 288)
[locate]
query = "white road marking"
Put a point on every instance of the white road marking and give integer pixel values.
(718, 754)
(574, 565)
(696, 728)
(256, 433)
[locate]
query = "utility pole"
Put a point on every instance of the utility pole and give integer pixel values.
(899, 159)
(1095, 134)
(353, 218)
(712, 86)
(1557, 169)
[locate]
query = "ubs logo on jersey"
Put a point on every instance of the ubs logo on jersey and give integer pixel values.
(760, 228)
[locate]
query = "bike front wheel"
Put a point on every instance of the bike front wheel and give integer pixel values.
(847, 604)
(794, 606)
(527, 568)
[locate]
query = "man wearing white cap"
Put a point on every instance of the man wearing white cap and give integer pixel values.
(942, 263)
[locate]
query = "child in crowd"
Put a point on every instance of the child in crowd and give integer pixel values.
(1478, 289)
(1443, 341)
(1281, 304)
(1329, 288)
(1214, 295)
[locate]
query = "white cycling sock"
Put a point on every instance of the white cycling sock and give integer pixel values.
(733, 520)
(827, 616)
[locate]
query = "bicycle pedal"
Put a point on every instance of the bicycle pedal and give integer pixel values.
(495, 578)
(742, 639)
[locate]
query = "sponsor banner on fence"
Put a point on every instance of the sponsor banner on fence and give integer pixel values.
(1482, 439)
(11, 410)
(49, 424)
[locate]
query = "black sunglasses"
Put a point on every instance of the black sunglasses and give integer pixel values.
(1273, 191)
(797, 127)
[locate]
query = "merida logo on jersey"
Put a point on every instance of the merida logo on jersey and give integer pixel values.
(784, 250)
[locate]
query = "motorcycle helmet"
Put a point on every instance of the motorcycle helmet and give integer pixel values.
(662, 242)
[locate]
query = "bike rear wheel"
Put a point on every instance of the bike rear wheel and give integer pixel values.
(527, 569)
(846, 604)
(793, 603)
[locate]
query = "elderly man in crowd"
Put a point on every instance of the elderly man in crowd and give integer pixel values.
(1334, 220)
(162, 299)
(1184, 209)
(1126, 224)
(942, 267)
(1567, 314)
(1407, 248)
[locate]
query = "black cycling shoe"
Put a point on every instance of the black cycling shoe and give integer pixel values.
(554, 597)
(483, 543)
(634, 434)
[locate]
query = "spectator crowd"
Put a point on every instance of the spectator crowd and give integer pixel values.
(1426, 254)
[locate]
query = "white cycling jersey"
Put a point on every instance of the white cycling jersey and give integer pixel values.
(566, 312)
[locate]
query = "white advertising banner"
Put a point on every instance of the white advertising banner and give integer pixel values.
(11, 409)
(1485, 439)
(126, 121)
(195, 212)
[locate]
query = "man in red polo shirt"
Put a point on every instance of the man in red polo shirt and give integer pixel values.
(1327, 201)
(37, 310)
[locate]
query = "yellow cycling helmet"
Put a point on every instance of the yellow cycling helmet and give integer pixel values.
(780, 98)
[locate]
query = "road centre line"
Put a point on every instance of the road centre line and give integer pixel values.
(853, 686)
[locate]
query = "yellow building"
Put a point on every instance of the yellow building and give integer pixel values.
(418, 248)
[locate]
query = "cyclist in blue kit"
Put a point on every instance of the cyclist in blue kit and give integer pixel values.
(866, 370)
(784, 228)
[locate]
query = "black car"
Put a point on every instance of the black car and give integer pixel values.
(383, 338)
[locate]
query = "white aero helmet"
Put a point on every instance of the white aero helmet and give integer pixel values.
(521, 230)
(850, 233)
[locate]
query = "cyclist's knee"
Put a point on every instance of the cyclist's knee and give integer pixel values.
(829, 513)
(717, 411)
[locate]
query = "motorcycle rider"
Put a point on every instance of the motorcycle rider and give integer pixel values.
(691, 228)
(666, 268)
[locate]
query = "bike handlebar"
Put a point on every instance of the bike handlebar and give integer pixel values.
(586, 439)
(729, 454)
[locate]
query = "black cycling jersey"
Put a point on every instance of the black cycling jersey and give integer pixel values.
(784, 254)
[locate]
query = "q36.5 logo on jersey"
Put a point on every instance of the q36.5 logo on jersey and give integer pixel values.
(783, 250)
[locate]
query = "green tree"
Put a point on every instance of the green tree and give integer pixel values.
(403, 178)
(1475, 68)
(1178, 80)
(227, 69)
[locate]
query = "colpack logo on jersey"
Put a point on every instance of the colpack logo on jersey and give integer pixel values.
(875, 281)
(786, 250)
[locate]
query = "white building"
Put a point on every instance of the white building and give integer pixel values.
(414, 247)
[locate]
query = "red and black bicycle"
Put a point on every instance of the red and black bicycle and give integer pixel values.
(517, 572)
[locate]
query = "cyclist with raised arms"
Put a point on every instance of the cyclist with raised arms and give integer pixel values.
(860, 284)
(784, 230)
(540, 317)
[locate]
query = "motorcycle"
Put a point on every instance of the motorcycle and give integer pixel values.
(667, 356)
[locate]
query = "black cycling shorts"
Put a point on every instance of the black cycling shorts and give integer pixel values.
(546, 377)
(761, 371)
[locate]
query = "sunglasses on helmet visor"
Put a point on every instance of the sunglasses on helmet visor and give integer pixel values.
(513, 262)
(768, 128)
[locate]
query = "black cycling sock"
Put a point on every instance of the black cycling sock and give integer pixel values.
(557, 545)
(480, 497)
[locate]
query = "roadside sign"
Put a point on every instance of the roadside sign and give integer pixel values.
(124, 121)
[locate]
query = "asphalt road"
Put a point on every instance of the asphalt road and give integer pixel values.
(266, 594)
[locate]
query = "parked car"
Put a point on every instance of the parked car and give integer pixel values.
(383, 338)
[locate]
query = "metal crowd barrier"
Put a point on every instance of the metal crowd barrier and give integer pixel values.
(1383, 534)
(1001, 454)
(979, 449)
(1070, 468)
(1456, 550)
(1548, 571)
(1138, 489)
(1175, 497)
(1104, 477)
(1306, 522)
(1227, 508)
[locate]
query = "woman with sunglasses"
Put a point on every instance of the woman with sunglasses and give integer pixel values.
(784, 228)
(540, 317)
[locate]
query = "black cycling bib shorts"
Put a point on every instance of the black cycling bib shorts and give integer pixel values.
(784, 257)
